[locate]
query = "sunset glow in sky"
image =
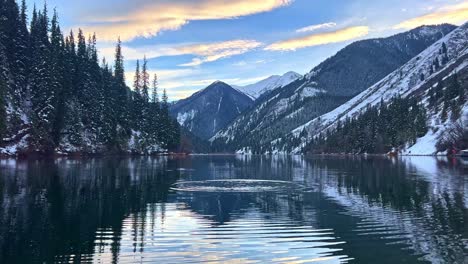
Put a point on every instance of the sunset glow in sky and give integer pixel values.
(191, 43)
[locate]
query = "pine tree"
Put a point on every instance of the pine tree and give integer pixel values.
(119, 72)
(444, 48)
(437, 63)
(145, 81)
(3, 93)
(70, 100)
(154, 94)
(43, 96)
(58, 73)
(444, 112)
(14, 37)
(137, 80)
(138, 104)
(122, 105)
(165, 103)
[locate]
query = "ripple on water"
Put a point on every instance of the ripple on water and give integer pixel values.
(180, 235)
(238, 185)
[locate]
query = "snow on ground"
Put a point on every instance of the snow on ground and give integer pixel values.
(402, 82)
(14, 149)
(424, 146)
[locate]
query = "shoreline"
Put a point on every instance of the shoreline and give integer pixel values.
(175, 154)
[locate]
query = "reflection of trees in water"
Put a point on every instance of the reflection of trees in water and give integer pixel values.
(424, 208)
(77, 207)
(226, 207)
(54, 208)
(244, 167)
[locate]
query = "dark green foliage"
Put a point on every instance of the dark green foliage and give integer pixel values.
(436, 64)
(3, 94)
(444, 48)
(377, 130)
(68, 98)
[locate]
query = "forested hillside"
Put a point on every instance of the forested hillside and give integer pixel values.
(56, 97)
(419, 109)
(330, 84)
(327, 86)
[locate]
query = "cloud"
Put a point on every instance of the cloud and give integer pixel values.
(134, 53)
(316, 27)
(454, 14)
(320, 39)
(215, 51)
(243, 63)
(206, 52)
(148, 18)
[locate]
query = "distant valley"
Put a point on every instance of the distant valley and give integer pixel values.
(287, 114)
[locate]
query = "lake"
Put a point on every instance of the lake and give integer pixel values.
(237, 209)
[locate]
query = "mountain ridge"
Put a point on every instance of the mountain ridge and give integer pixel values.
(210, 109)
(414, 79)
(268, 84)
(324, 88)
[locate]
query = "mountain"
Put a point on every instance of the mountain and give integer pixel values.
(269, 84)
(211, 109)
(435, 81)
(327, 86)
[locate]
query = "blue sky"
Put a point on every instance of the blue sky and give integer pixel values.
(191, 43)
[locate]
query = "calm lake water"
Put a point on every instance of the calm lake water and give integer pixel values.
(237, 209)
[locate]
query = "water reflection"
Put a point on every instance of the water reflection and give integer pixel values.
(361, 210)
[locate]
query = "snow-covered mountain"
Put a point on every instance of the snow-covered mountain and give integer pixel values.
(414, 79)
(269, 84)
(327, 86)
(211, 109)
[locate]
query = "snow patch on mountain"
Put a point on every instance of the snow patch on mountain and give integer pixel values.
(269, 84)
(310, 92)
(405, 81)
(183, 117)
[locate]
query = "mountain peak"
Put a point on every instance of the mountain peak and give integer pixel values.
(211, 109)
(218, 82)
(269, 84)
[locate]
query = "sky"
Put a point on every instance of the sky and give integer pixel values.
(191, 43)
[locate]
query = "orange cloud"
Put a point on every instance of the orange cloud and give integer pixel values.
(205, 52)
(455, 14)
(215, 51)
(154, 17)
(320, 39)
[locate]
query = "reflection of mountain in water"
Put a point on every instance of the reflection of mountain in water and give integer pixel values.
(403, 203)
(372, 210)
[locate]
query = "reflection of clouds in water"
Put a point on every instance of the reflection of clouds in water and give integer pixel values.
(126, 208)
(176, 234)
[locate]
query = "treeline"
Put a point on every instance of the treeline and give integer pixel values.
(57, 96)
(448, 98)
(392, 125)
(259, 137)
(377, 130)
